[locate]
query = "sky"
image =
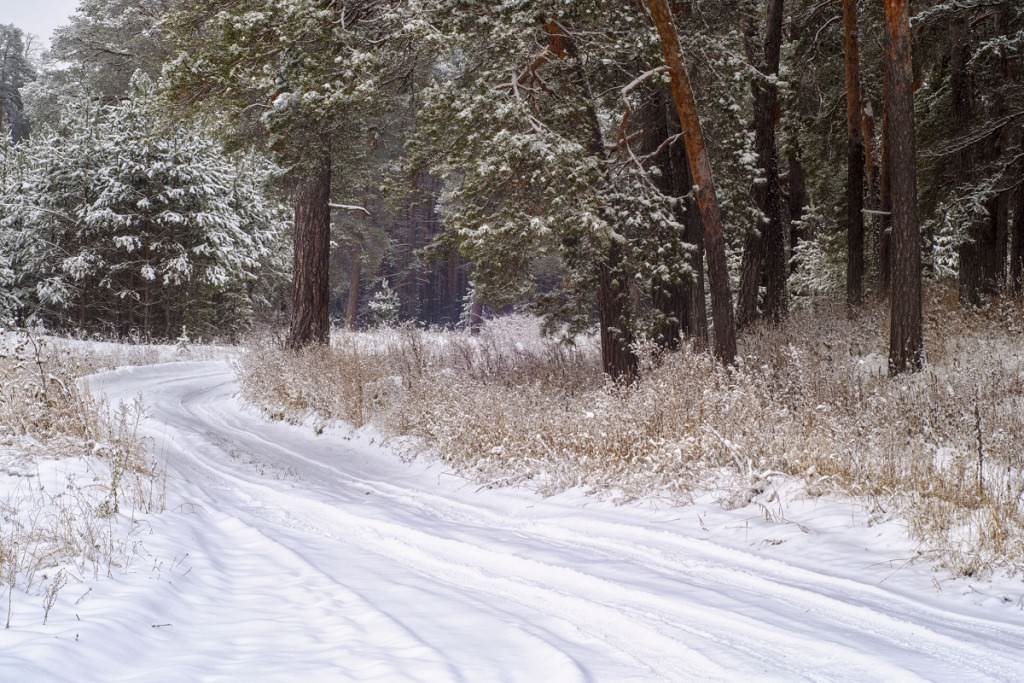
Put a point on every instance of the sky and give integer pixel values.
(37, 16)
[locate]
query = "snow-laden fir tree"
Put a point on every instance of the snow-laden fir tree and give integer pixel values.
(114, 223)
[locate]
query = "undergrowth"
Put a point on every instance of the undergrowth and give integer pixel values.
(71, 469)
(812, 399)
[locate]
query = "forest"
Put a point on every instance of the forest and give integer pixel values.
(748, 259)
(181, 164)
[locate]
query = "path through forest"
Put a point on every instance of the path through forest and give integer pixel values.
(291, 556)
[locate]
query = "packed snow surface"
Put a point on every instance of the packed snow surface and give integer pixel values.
(291, 556)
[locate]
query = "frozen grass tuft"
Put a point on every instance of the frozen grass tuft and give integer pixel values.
(72, 472)
(941, 449)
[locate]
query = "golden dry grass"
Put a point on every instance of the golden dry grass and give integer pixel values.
(943, 449)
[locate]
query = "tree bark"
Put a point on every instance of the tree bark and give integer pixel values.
(906, 343)
(476, 316)
(617, 355)
(681, 304)
(854, 158)
(696, 324)
(766, 248)
(885, 195)
(971, 272)
(700, 170)
(310, 322)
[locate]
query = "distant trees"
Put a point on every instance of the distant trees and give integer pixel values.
(106, 41)
(16, 71)
(565, 158)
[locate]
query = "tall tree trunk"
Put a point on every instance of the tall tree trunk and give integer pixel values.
(669, 298)
(971, 271)
(612, 298)
(1017, 242)
(696, 324)
(797, 198)
(310, 323)
(906, 342)
(476, 315)
(700, 170)
(999, 208)
(885, 195)
(854, 158)
(765, 249)
(675, 301)
(355, 280)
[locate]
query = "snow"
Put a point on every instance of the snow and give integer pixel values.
(288, 556)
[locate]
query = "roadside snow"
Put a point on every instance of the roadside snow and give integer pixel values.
(289, 556)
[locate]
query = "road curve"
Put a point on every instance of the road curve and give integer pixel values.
(328, 558)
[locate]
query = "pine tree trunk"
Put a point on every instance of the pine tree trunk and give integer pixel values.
(764, 250)
(970, 275)
(310, 322)
(695, 325)
(854, 158)
(700, 170)
(452, 304)
(476, 316)
(775, 303)
(675, 301)
(617, 355)
(885, 196)
(906, 343)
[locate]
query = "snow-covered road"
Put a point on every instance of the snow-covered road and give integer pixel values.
(325, 558)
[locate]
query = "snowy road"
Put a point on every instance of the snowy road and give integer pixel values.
(322, 558)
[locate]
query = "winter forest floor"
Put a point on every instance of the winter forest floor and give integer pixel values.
(432, 507)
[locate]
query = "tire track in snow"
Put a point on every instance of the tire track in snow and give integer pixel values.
(497, 556)
(787, 583)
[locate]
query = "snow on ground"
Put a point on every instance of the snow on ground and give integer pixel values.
(287, 556)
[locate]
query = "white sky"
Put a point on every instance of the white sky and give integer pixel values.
(37, 16)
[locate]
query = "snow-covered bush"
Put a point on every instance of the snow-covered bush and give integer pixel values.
(820, 259)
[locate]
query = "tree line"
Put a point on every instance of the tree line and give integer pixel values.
(661, 169)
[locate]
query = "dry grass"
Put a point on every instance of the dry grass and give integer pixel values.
(68, 466)
(943, 448)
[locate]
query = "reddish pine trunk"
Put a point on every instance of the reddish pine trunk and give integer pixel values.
(696, 324)
(854, 158)
(310, 323)
(679, 304)
(885, 196)
(906, 343)
(700, 170)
